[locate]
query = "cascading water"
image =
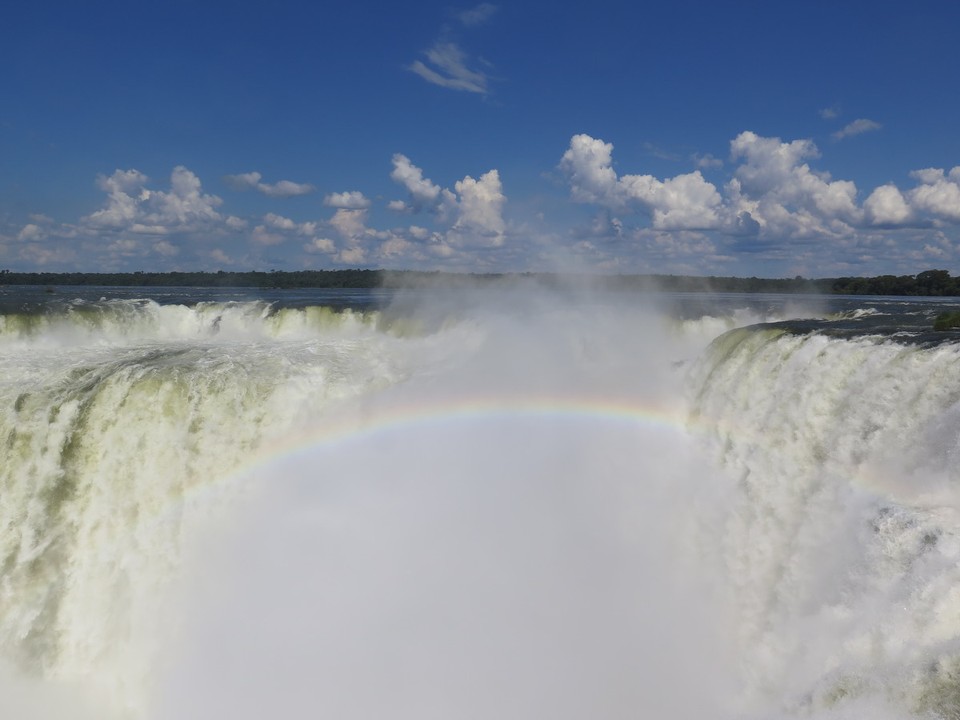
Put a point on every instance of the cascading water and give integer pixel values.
(842, 543)
(485, 503)
(111, 417)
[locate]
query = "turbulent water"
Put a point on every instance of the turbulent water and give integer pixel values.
(498, 502)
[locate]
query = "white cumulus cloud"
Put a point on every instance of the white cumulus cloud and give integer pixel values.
(678, 203)
(351, 224)
(124, 195)
(221, 257)
(279, 222)
(857, 127)
(773, 194)
(938, 194)
(472, 212)
(134, 208)
(480, 219)
(31, 232)
(707, 161)
(588, 165)
(166, 248)
(325, 246)
(281, 189)
(423, 194)
(263, 236)
(682, 202)
(887, 206)
(783, 194)
(353, 200)
(352, 256)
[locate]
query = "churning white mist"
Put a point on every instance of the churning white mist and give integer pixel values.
(508, 502)
(516, 563)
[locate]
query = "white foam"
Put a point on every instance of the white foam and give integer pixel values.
(794, 556)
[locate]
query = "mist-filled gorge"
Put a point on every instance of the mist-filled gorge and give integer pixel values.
(506, 501)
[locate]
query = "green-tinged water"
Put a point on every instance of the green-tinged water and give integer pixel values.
(507, 502)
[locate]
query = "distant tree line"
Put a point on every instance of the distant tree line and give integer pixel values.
(928, 282)
(254, 279)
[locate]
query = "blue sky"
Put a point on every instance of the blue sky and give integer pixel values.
(727, 138)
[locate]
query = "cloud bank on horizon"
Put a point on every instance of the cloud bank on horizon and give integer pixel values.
(501, 164)
(773, 204)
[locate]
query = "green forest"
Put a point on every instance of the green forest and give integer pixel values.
(928, 282)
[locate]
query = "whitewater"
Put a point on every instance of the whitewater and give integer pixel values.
(502, 500)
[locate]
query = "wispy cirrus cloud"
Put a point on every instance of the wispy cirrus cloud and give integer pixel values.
(706, 161)
(477, 15)
(252, 181)
(447, 65)
(448, 69)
